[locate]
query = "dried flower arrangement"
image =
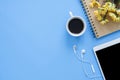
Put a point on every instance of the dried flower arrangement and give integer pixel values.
(107, 11)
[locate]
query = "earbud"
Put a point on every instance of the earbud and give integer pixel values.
(83, 51)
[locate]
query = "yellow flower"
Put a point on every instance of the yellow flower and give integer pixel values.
(96, 13)
(97, 4)
(104, 21)
(102, 11)
(112, 16)
(94, 3)
(118, 11)
(112, 8)
(98, 16)
(91, 5)
(108, 4)
(117, 19)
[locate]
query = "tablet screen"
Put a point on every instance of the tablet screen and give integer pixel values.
(108, 59)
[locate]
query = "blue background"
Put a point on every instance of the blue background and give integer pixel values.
(34, 43)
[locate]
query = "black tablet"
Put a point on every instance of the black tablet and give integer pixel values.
(107, 56)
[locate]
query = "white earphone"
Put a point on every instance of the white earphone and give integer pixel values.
(81, 58)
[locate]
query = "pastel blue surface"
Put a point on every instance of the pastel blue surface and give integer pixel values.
(34, 43)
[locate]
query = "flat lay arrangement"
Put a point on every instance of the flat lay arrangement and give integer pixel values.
(98, 18)
(59, 39)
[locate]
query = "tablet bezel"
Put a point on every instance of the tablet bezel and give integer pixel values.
(102, 46)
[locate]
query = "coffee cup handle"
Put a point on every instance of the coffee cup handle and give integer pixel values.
(71, 14)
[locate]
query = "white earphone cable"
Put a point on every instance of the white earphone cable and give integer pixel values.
(80, 57)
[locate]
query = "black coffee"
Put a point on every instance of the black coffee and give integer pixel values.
(76, 26)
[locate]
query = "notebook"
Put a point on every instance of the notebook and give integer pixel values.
(98, 29)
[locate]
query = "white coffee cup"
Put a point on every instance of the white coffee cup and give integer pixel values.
(75, 25)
